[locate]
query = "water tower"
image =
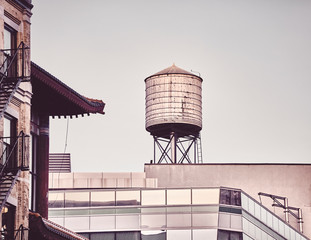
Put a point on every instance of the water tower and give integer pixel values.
(174, 115)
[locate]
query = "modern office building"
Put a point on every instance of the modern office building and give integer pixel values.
(188, 213)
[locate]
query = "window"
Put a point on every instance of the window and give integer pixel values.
(178, 196)
(99, 199)
(9, 47)
(153, 197)
(228, 235)
(8, 219)
(125, 198)
(77, 199)
(153, 235)
(204, 234)
(179, 234)
(230, 197)
(9, 137)
(56, 200)
(205, 196)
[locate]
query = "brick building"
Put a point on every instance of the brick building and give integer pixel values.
(29, 96)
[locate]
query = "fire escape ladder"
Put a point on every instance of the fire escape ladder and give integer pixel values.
(7, 183)
(8, 88)
(199, 149)
(10, 77)
(9, 172)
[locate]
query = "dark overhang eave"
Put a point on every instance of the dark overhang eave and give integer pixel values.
(86, 105)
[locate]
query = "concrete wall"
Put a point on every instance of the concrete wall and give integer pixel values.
(292, 181)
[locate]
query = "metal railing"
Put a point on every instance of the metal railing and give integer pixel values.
(20, 233)
(6, 156)
(10, 59)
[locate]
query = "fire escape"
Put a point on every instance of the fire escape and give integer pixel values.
(12, 162)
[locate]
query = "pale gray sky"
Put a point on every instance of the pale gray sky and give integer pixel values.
(254, 57)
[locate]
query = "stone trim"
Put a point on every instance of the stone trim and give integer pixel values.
(10, 16)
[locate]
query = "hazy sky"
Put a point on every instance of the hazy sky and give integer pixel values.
(254, 58)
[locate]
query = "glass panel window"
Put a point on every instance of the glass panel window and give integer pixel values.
(264, 236)
(127, 210)
(292, 234)
(235, 198)
(205, 196)
(125, 198)
(156, 210)
(102, 236)
(281, 228)
(252, 229)
(77, 199)
(9, 134)
(76, 212)
(9, 44)
(178, 196)
(258, 233)
(236, 222)
(178, 209)
(179, 234)
(153, 235)
(7, 130)
(204, 220)
(224, 220)
(153, 197)
(178, 220)
(263, 216)
(127, 222)
(224, 196)
(56, 212)
(275, 223)
(205, 209)
(245, 225)
(127, 236)
(102, 223)
(244, 201)
(77, 223)
(269, 219)
(99, 199)
(153, 221)
(230, 197)
(102, 211)
(204, 234)
(228, 235)
(7, 39)
(245, 237)
(251, 207)
(257, 210)
(287, 232)
(56, 200)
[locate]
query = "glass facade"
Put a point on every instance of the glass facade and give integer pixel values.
(187, 213)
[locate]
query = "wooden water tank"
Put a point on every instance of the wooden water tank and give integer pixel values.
(173, 103)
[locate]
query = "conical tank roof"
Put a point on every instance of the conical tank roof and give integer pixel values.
(172, 70)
